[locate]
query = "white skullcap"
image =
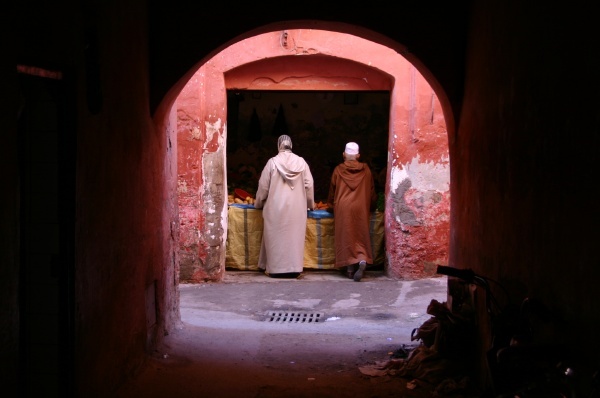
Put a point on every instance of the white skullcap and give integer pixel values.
(351, 148)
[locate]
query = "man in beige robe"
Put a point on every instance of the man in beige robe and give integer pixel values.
(285, 193)
(352, 197)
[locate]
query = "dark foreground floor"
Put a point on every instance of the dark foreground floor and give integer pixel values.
(317, 336)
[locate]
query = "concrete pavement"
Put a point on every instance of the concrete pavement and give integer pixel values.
(318, 301)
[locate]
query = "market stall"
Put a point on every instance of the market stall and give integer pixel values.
(244, 237)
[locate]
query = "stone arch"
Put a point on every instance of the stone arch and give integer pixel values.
(417, 192)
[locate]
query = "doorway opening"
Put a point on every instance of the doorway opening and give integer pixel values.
(320, 123)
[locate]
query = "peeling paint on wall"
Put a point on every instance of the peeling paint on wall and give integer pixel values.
(429, 175)
(213, 130)
(196, 133)
(426, 181)
(181, 186)
(397, 176)
(403, 213)
(418, 205)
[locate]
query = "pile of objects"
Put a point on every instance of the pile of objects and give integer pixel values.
(241, 197)
(441, 361)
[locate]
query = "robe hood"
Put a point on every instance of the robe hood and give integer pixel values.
(352, 173)
(289, 166)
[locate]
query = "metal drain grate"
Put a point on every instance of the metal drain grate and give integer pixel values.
(294, 317)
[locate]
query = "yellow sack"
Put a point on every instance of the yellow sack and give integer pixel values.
(244, 237)
(245, 230)
(377, 237)
(319, 245)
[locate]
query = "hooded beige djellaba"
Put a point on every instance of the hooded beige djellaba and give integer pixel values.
(285, 193)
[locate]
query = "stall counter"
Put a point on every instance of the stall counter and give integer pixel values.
(244, 237)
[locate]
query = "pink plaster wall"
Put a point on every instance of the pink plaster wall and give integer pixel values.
(417, 191)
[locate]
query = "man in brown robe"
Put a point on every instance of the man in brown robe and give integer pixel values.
(352, 197)
(285, 193)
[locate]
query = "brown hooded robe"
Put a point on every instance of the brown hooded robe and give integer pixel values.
(352, 197)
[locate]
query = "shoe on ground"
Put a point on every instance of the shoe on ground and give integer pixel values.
(361, 270)
(348, 271)
(285, 275)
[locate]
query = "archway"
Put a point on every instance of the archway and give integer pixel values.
(417, 188)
